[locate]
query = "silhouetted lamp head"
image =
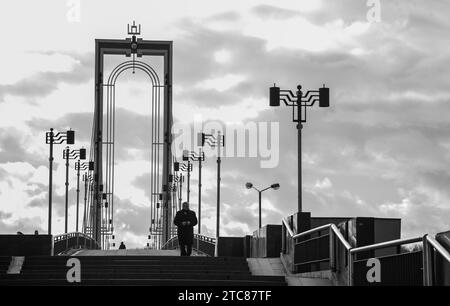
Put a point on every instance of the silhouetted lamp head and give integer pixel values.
(274, 96)
(249, 185)
(185, 155)
(82, 153)
(275, 186)
(70, 137)
(200, 139)
(324, 96)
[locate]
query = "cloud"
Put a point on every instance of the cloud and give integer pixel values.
(269, 11)
(381, 149)
(43, 84)
(14, 148)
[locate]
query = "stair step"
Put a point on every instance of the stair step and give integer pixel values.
(140, 270)
(143, 276)
(140, 282)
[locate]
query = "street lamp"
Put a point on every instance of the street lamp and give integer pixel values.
(215, 141)
(87, 179)
(275, 186)
(187, 168)
(299, 104)
(70, 154)
(178, 179)
(52, 138)
(81, 166)
(200, 157)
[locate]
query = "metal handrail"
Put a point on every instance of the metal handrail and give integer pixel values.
(428, 271)
(371, 247)
(386, 244)
(197, 236)
(426, 240)
(331, 226)
(334, 232)
(67, 236)
(291, 233)
(311, 231)
(72, 234)
(341, 238)
(438, 247)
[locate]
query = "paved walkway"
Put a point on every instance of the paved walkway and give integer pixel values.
(130, 252)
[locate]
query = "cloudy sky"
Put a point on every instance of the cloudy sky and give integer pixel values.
(382, 149)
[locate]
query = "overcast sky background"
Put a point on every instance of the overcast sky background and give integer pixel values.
(382, 149)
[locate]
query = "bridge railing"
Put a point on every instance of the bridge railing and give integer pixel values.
(202, 244)
(65, 242)
(400, 269)
(326, 245)
(433, 255)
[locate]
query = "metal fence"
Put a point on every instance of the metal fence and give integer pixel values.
(324, 248)
(63, 243)
(202, 244)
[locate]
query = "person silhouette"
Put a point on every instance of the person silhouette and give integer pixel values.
(122, 246)
(185, 220)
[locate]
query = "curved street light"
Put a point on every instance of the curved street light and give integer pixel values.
(275, 186)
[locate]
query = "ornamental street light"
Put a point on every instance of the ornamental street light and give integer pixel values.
(52, 138)
(71, 154)
(275, 186)
(87, 179)
(200, 157)
(186, 168)
(299, 103)
(214, 142)
(179, 179)
(81, 166)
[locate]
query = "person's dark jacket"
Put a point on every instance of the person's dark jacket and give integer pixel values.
(185, 232)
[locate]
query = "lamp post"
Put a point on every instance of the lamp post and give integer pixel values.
(87, 179)
(186, 168)
(71, 154)
(218, 142)
(200, 157)
(275, 186)
(81, 166)
(299, 103)
(52, 138)
(179, 179)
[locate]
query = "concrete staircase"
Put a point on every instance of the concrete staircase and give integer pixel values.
(140, 270)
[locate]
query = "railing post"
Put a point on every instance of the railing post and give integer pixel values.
(332, 251)
(350, 268)
(283, 238)
(427, 269)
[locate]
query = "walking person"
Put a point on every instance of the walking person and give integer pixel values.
(185, 220)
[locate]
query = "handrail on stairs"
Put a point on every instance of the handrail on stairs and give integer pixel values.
(428, 242)
(334, 233)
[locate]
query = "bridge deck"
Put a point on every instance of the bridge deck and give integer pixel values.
(130, 252)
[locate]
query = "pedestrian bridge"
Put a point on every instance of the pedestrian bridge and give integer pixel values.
(322, 255)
